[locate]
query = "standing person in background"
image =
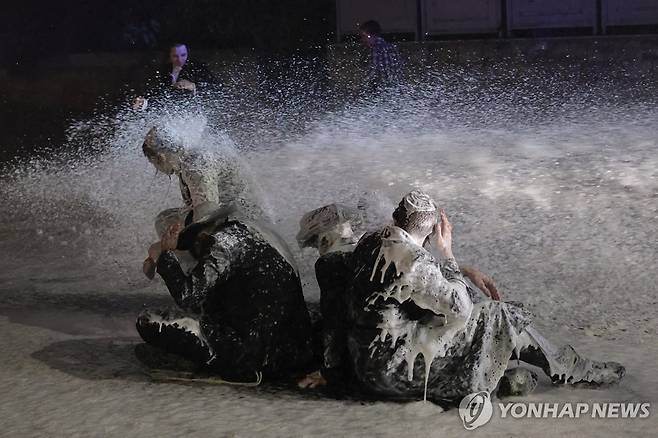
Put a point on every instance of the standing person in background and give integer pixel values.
(178, 75)
(385, 65)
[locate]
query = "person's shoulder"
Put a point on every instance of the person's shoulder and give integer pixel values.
(367, 243)
(200, 72)
(332, 259)
(370, 236)
(386, 46)
(232, 233)
(382, 43)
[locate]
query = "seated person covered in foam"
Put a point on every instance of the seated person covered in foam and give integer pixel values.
(240, 310)
(400, 324)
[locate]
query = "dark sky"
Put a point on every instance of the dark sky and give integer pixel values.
(34, 30)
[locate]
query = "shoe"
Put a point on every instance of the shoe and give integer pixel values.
(517, 381)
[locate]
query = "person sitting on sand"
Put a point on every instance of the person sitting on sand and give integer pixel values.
(206, 178)
(240, 310)
(180, 76)
(397, 304)
(334, 231)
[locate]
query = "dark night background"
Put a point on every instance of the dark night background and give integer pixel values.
(39, 77)
(60, 61)
(35, 30)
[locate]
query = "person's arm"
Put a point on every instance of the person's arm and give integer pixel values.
(188, 291)
(451, 270)
(204, 76)
(158, 82)
(185, 84)
(482, 281)
(196, 77)
(441, 295)
(201, 185)
(154, 86)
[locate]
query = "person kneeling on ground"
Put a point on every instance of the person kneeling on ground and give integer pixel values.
(411, 327)
(334, 230)
(241, 310)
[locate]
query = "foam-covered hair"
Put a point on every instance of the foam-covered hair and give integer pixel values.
(324, 219)
(416, 209)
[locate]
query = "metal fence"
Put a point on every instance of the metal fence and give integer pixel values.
(428, 18)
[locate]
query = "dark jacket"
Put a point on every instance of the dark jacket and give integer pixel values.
(334, 272)
(192, 71)
(249, 299)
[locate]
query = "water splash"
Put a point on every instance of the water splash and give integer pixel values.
(548, 175)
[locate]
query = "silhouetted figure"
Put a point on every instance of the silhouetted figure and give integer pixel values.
(179, 77)
(385, 64)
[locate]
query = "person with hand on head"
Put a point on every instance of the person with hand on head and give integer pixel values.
(334, 231)
(410, 327)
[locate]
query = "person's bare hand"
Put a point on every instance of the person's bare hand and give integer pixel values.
(169, 240)
(312, 380)
(443, 235)
(184, 84)
(148, 268)
(140, 103)
(483, 282)
(154, 251)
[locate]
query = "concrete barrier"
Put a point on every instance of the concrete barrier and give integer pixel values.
(427, 18)
(395, 16)
(629, 12)
(463, 17)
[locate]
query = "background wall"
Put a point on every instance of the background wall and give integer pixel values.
(33, 30)
(59, 61)
(499, 18)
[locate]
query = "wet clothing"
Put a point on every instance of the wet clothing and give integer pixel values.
(389, 310)
(240, 310)
(333, 272)
(385, 64)
(207, 178)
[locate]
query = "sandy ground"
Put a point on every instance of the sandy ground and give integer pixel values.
(68, 367)
(70, 372)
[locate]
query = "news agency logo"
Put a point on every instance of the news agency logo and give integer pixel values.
(476, 410)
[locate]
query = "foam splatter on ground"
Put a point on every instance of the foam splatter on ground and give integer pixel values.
(551, 184)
